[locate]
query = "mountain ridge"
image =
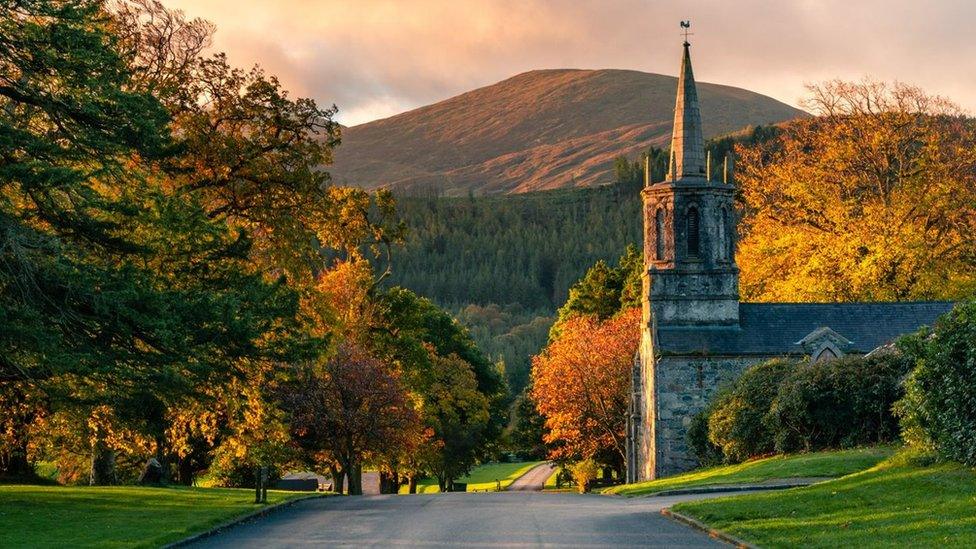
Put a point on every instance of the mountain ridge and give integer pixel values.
(538, 130)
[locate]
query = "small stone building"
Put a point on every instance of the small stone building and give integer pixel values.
(696, 335)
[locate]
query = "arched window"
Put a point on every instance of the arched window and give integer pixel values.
(694, 236)
(659, 235)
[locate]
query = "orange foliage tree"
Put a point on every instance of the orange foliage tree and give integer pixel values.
(581, 387)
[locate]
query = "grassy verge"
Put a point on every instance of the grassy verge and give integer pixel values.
(117, 516)
(551, 481)
(818, 464)
(482, 477)
(898, 503)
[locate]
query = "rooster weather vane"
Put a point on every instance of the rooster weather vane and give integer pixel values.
(686, 25)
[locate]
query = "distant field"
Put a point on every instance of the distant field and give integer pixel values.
(896, 504)
(816, 464)
(117, 516)
(482, 477)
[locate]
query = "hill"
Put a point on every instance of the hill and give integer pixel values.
(539, 130)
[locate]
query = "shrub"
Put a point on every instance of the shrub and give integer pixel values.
(737, 422)
(704, 450)
(939, 407)
(838, 403)
(584, 473)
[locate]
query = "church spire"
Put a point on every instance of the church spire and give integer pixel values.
(687, 144)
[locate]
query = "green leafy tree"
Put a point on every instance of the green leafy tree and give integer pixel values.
(432, 349)
(529, 428)
(604, 291)
(458, 414)
(937, 413)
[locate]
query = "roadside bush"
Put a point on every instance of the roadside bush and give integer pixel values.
(939, 408)
(584, 473)
(737, 423)
(838, 403)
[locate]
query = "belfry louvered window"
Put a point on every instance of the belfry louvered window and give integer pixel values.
(694, 236)
(659, 235)
(723, 241)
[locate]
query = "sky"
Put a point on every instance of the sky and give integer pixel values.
(376, 58)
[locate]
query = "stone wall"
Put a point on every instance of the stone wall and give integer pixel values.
(682, 387)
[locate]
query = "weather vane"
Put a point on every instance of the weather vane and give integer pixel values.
(686, 25)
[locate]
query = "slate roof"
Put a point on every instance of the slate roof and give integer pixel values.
(775, 328)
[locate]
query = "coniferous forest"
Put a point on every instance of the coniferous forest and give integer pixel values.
(504, 264)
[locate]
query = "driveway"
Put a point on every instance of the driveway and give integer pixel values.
(494, 519)
(535, 479)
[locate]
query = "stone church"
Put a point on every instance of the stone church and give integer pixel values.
(696, 334)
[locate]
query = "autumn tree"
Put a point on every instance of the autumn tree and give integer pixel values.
(581, 386)
(873, 199)
(120, 297)
(253, 157)
(348, 406)
(160, 214)
(250, 153)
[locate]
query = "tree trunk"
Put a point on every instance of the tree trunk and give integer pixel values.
(338, 478)
(389, 483)
(442, 483)
(355, 480)
(413, 484)
(163, 458)
(184, 471)
(620, 473)
(395, 482)
(102, 464)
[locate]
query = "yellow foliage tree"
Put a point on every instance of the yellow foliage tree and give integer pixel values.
(872, 199)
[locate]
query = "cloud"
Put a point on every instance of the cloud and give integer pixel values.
(374, 58)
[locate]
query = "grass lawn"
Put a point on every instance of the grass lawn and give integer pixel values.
(817, 464)
(482, 477)
(898, 503)
(117, 516)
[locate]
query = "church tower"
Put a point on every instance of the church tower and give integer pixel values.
(690, 281)
(689, 228)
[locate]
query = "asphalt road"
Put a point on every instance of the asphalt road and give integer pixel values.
(534, 479)
(495, 519)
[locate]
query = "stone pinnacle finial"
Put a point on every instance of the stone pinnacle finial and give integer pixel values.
(687, 143)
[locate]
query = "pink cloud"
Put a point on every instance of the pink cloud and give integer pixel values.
(376, 57)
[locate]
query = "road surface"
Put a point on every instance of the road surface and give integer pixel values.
(534, 480)
(494, 519)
